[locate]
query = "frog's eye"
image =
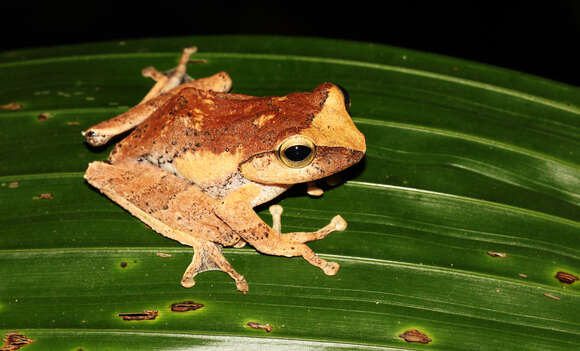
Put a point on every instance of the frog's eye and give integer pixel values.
(297, 151)
(346, 98)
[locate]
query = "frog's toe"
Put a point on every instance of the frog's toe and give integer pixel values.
(276, 212)
(95, 137)
(339, 223)
(241, 243)
(331, 268)
(187, 282)
(242, 285)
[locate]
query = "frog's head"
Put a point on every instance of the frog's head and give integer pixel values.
(326, 143)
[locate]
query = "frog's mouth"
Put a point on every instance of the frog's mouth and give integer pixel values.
(267, 168)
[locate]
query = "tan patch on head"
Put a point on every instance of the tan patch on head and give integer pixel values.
(332, 126)
(259, 122)
(206, 168)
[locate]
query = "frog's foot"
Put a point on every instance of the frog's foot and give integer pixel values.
(329, 268)
(208, 257)
(294, 242)
(164, 82)
(153, 73)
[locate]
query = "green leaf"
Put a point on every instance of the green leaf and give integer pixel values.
(465, 162)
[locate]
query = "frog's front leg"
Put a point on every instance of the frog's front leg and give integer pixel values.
(336, 224)
(172, 207)
(240, 216)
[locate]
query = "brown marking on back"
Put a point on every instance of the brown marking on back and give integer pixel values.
(187, 122)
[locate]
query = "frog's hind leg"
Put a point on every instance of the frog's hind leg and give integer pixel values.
(173, 208)
(101, 133)
(165, 88)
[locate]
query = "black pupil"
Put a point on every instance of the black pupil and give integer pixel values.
(297, 152)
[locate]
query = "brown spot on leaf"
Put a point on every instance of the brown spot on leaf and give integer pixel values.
(73, 123)
(186, 306)
(163, 255)
(43, 196)
(497, 254)
(552, 296)
(11, 107)
(522, 275)
(13, 185)
(139, 316)
(14, 341)
(267, 327)
(44, 116)
(415, 336)
(123, 264)
(566, 278)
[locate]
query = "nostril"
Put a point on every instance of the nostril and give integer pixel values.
(357, 155)
(90, 133)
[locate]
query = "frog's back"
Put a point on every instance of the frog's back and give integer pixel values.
(203, 121)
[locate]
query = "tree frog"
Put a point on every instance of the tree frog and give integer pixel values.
(199, 159)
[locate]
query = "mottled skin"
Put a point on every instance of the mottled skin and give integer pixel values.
(199, 160)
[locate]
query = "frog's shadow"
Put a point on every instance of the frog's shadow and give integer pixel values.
(299, 190)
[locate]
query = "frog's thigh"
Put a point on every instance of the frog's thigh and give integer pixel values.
(170, 206)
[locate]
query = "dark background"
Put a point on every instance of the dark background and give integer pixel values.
(540, 38)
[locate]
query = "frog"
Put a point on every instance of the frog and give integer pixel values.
(198, 159)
